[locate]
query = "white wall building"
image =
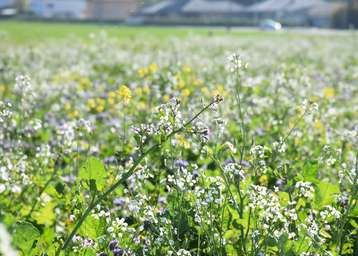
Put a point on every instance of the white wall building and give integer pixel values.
(7, 8)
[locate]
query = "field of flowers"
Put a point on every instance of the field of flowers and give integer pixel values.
(196, 145)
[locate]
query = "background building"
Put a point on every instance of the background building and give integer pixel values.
(319, 13)
(240, 12)
(8, 8)
(110, 10)
(94, 10)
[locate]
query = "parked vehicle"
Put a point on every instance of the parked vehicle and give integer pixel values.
(270, 25)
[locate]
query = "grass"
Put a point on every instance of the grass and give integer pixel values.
(29, 32)
(24, 32)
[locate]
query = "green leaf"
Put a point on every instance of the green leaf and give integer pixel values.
(24, 236)
(325, 234)
(284, 198)
(45, 215)
(310, 170)
(92, 227)
(325, 193)
(46, 243)
(60, 188)
(93, 169)
(354, 224)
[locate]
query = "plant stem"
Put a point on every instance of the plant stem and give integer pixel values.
(125, 176)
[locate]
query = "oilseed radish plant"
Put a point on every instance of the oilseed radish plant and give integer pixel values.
(195, 145)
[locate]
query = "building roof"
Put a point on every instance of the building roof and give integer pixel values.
(232, 6)
(157, 7)
(326, 9)
(269, 6)
(206, 6)
(297, 5)
(286, 5)
(166, 6)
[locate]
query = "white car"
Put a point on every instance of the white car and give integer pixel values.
(270, 25)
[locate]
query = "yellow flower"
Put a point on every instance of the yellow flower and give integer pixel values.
(166, 98)
(153, 68)
(263, 180)
(205, 91)
(182, 141)
(314, 98)
(84, 83)
(124, 93)
(219, 90)
(139, 91)
(319, 128)
(67, 106)
(146, 89)
(181, 83)
(74, 114)
(111, 94)
(91, 103)
(186, 69)
(111, 101)
(2, 88)
(142, 72)
(100, 108)
(186, 92)
(197, 82)
(100, 101)
(328, 92)
(141, 105)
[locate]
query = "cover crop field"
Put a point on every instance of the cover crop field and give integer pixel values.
(177, 141)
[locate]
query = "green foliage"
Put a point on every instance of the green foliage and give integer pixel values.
(24, 236)
(156, 143)
(94, 174)
(326, 193)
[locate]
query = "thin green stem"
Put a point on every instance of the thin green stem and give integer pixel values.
(126, 175)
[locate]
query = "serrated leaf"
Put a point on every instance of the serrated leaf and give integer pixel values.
(93, 169)
(24, 236)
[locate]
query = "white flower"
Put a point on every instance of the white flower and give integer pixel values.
(234, 62)
(5, 243)
(2, 188)
(305, 189)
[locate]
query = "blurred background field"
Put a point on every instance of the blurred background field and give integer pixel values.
(20, 32)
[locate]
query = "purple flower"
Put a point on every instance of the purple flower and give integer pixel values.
(119, 202)
(181, 163)
(118, 252)
(112, 245)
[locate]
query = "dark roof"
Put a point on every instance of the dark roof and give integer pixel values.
(269, 6)
(165, 7)
(286, 5)
(233, 6)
